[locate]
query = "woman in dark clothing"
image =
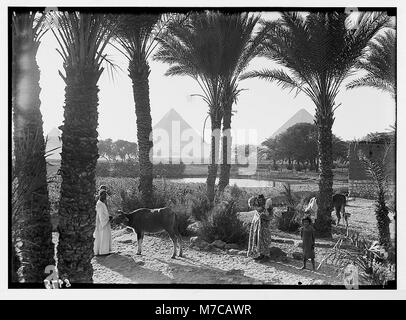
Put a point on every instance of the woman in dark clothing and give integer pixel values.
(308, 240)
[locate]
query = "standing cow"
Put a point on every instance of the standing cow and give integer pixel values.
(152, 221)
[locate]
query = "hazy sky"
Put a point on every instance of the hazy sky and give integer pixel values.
(263, 106)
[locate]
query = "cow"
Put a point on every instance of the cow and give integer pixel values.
(339, 203)
(152, 221)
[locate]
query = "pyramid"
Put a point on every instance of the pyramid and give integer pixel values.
(302, 116)
(173, 137)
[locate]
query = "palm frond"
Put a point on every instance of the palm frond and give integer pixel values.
(371, 81)
(279, 76)
(82, 38)
(318, 50)
(29, 27)
(380, 64)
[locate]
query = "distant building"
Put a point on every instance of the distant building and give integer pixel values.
(360, 183)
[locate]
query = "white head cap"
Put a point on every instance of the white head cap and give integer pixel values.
(268, 203)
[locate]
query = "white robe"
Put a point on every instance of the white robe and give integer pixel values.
(102, 232)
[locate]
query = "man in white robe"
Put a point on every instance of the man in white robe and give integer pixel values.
(102, 232)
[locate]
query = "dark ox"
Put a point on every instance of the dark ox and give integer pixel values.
(152, 221)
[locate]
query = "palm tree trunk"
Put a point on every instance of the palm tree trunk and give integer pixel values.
(139, 75)
(214, 155)
(324, 124)
(382, 218)
(78, 167)
(226, 150)
(33, 229)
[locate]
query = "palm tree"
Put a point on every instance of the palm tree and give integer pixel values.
(213, 49)
(136, 35)
(319, 50)
(31, 225)
(239, 48)
(82, 38)
(380, 65)
(193, 48)
(377, 170)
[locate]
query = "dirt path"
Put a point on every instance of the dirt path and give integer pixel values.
(199, 267)
(219, 267)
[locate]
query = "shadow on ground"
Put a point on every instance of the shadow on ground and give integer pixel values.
(132, 269)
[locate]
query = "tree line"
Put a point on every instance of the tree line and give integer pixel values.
(298, 147)
(315, 53)
(122, 150)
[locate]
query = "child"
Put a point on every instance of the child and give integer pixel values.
(307, 234)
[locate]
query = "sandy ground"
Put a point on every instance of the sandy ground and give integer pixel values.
(219, 267)
(199, 267)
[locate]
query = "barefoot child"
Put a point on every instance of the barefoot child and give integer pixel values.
(307, 234)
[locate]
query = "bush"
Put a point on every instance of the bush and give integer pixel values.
(130, 200)
(118, 169)
(131, 169)
(239, 196)
(200, 207)
(223, 224)
(375, 264)
(287, 221)
(183, 220)
(169, 170)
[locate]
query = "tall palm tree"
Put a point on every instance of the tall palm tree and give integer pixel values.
(319, 50)
(239, 48)
(136, 35)
(380, 65)
(193, 48)
(31, 226)
(82, 38)
(377, 169)
(213, 49)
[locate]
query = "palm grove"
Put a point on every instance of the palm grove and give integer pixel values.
(316, 53)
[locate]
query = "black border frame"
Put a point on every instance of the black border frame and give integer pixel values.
(392, 11)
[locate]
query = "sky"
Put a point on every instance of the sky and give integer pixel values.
(262, 106)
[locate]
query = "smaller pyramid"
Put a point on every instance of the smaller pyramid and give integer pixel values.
(302, 116)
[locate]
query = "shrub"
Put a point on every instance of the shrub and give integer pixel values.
(238, 195)
(182, 219)
(118, 169)
(374, 262)
(287, 221)
(201, 205)
(169, 170)
(131, 169)
(130, 200)
(223, 224)
(236, 192)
